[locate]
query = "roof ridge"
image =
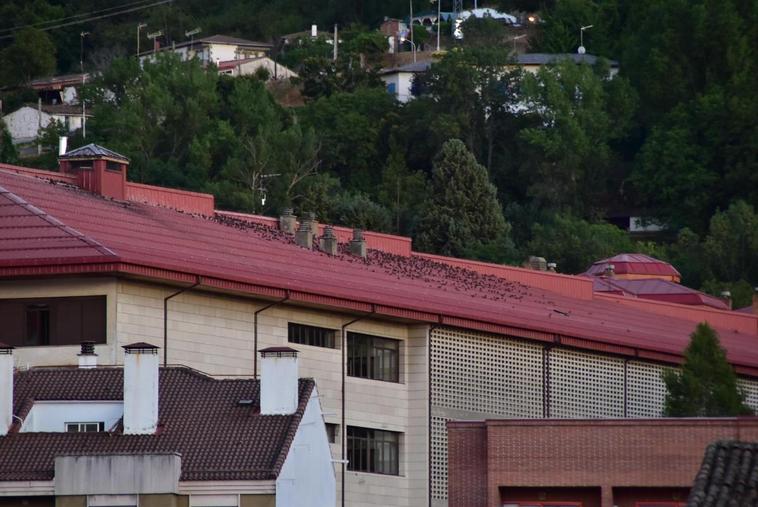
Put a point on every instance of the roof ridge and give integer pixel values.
(50, 219)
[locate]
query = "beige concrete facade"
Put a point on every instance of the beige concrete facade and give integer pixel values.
(213, 333)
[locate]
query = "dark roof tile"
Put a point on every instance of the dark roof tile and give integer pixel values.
(727, 476)
(199, 418)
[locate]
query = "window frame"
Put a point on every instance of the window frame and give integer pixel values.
(370, 457)
(84, 424)
(330, 342)
(373, 357)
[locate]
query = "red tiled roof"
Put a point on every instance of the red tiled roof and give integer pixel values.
(634, 264)
(747, 309)
(228, 254)
(199, 417)
(657, 289)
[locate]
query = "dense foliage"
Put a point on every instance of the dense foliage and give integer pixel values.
(707, 384)
(553, 154)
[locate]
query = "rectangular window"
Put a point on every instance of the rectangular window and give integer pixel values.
(332, 432)
(373, 357)
(311, 335)
(374, 451)
(85, 427)
(53, 321)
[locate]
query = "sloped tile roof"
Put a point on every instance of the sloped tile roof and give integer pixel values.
(232, 254)
(93, 150)
(657, 289)
(199, 418)
(727, 477)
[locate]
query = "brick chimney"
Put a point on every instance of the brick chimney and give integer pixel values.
(328, 242)
(98, 170)
(288, 221)
(6, 388)
(358, 244)
(140, 389)
(279, 381)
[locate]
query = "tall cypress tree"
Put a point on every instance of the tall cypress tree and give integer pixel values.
(707, 385)
(462, 209)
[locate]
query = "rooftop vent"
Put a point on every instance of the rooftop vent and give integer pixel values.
(358, 244)
(87, 356)
(610, 271)
(304, 235)
(536, 263)
(288, 221)
(328, 242)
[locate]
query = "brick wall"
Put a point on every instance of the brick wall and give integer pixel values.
(649, 453)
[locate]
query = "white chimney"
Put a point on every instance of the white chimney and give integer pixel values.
(87, 357)
(6, 388)
(62, 145)
(140, 389)
(279, 381)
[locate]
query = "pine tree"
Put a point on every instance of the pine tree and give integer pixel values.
(462, 209)
(707, 385)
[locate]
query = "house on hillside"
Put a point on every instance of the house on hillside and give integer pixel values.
(142, 434)
(252, 66)
(398, 342)
(25, 123)
(60, 89)
(213, 49)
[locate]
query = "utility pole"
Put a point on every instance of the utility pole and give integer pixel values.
(140, 26)
(410, 19)
(81, 68)
(336, 42)
(439, 21)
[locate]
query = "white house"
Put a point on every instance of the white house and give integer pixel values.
(399, 80)
(25, 123)
(249, 66)
(214, 49)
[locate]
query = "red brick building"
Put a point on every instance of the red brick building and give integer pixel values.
(582, 463)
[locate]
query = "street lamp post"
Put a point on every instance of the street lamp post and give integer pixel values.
(517, 38)
(413, 46)
(581, 38)
(82, 35)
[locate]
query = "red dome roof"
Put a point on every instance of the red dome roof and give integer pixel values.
(634, 264)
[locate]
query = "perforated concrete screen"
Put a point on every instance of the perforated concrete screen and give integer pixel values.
(750, 388)
(585, 385)
(646, 390)
(439, 458)
(486, 374)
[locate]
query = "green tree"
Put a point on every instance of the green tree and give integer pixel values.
(402, 190)
(574, 244)
(8, 153)
(462, 209)
(32, 54)
(581, 113)
(707, 384)
(358, 210)
(732, 243)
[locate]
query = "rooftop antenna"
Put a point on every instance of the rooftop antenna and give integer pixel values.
(582, 49)
(82, 35)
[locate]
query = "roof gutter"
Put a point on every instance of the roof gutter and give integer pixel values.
(165, 316)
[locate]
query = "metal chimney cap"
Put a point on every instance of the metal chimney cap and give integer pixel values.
(140, 348)
(357, 234)
(329, 232)
(6, 349)
(88, 348)
(278, 351)
(726, 294)
(288, 212)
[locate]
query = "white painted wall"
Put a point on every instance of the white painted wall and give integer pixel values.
(52, 416)
(140, 393)
(279, 384)
(6, 391)
(307, 476)
(23, 123)
(403, 82)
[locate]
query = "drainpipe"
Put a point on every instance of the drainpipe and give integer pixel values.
(255, 330)
(165, 317)
(344, 363)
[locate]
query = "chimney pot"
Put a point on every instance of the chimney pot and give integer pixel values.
(87, 356)
(727, 297)
(358, 244)
(288, 221)
(279, 387)
(537, 263)
(328, 242)
(610, 270)
(140, 389)
(6, 388)
(552, 267)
